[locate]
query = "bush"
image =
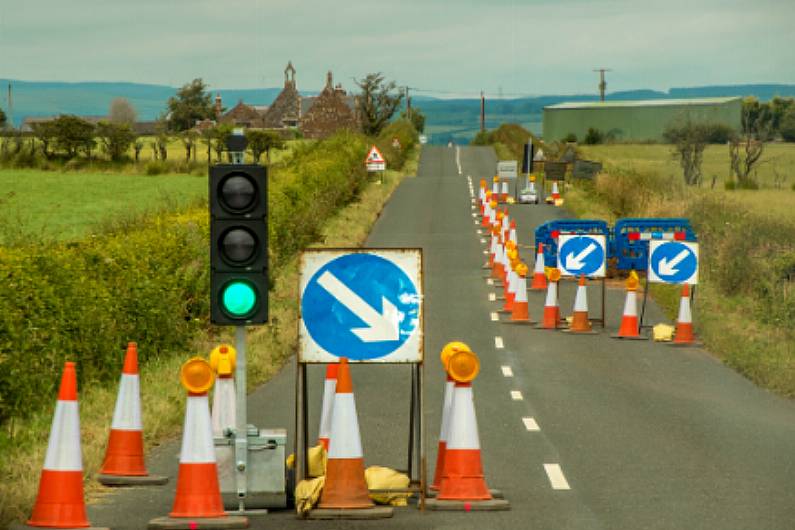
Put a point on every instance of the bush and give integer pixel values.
(718, 133)
(570, 138)
(406, 134)
(730, 185)
(787, 125)
(156, 167)
(594, 137)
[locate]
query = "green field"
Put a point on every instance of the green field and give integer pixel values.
(59, 206)
(778, 159)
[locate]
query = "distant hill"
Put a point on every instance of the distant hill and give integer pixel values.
(447, 119)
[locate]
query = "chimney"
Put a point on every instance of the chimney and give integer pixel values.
(218, 106)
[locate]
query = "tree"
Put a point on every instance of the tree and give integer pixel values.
(594, 137)
(778, 109)
(116, 138)
(689, 140)
(260, 141)
(121, 111)
(3, 119)
(220, 134)
(72, 134)
(138, 147)
(417, 119)
(787, 125)
(45, 133)
(745, 150)
(378, 102)
(190, 140)
(192, 103)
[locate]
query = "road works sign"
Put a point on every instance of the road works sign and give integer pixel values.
(363, 304)
(506, 169)
(375, 160)
(673, 262)
(582, 255)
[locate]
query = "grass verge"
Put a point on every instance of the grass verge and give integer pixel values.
(162, 396)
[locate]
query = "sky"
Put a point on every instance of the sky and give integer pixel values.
(438, 48)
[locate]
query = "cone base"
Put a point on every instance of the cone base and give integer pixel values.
(132, 480)
(375, 512)
(171, 523)
(527, 322)
(495, 493)
(25, 527)
(628, 337)
(491, 505)
(345, 485)
(578, 332)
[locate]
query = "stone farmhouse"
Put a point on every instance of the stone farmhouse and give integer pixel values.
(314, 116)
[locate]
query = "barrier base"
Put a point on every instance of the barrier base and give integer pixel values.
(127, 480)
(491, 505)
(519, 322)
(497, 494)
(589, 332)
(26, 527)
(186, 523)
(376, 512)
(639, 337)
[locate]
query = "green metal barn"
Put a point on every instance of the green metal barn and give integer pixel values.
(629, 121)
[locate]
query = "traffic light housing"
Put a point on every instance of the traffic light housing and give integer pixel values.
(238, 244)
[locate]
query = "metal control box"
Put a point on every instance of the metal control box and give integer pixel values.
(266, 481)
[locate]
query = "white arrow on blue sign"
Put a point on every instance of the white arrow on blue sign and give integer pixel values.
(365, 305)
(582, 255)
(673, 262)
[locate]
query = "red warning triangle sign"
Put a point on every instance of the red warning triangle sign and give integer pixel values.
(374, 156)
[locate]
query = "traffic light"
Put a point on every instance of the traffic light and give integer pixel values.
(238, 244)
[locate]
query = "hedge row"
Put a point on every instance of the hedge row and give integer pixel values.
(148, 281)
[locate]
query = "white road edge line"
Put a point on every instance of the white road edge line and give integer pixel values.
(516, 395)
(506, 371)
(495, 317)
(492, 297)
(556, 478)
(530, 424)
(498, 343)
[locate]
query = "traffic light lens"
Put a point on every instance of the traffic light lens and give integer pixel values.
(238, 193)
(238, 245)
(239, 298)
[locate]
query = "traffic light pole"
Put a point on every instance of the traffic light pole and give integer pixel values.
(241, 428)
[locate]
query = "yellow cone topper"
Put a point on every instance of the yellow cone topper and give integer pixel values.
(196, 375)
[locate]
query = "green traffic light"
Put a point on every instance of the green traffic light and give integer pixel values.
(239, 298)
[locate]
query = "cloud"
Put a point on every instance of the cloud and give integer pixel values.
(530, 46)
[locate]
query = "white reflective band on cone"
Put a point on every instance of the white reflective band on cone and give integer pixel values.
(581, 300)
(512, 277)
(685, 316)
(63, 448)
(197, 435)
(521, 289)
(224, 415)
(552, 295)
(329, 392)
(345, 440)
(512, 235)
(631, 304)
(539, 266)
(463, 432)
(127, 414)
(447, 410)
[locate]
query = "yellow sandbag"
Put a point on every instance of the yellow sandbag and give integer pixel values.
(307, 493)
(380, 478)
(317, 459)
(290, 461)
(663, 332)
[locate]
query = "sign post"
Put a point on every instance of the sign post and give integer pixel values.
(365, 305)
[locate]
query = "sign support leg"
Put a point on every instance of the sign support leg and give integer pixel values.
(643, 307)
(300, 411)
(603, 303)
(241, 427)
(421, 433)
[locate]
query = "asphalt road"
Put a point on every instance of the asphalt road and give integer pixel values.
(645, 435)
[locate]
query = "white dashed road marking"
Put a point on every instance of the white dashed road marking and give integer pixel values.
(495, 317)
(492, 297)
(530, 424)
(516, 395)
(490, 281)
(556, 478)
(506, 371)
(498, 343)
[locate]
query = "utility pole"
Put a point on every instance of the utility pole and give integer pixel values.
(408, 104)
(10, 107)
(602, 82)
(482, 111)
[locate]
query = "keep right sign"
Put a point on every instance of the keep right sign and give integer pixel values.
(673, 262)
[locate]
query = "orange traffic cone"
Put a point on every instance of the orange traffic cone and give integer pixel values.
(629, 320)
(539, 278)
(124, 457)
(497, 271)
(495, 189)
(59, 502)
(345, 486)
(504, 193)
(224, 412)
(447, 352)
(505, 228)
(555, 191)
(198, 494)
(684, 322)
(482, 196)
(551, 307)
(488, 212)
(463, 485)
(329, 390)
(521, 313)
(509, 291)
(579, 321)
(512, 232)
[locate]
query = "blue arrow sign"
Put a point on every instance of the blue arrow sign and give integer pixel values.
(673, 262)
(360, 306)
(582, 255)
